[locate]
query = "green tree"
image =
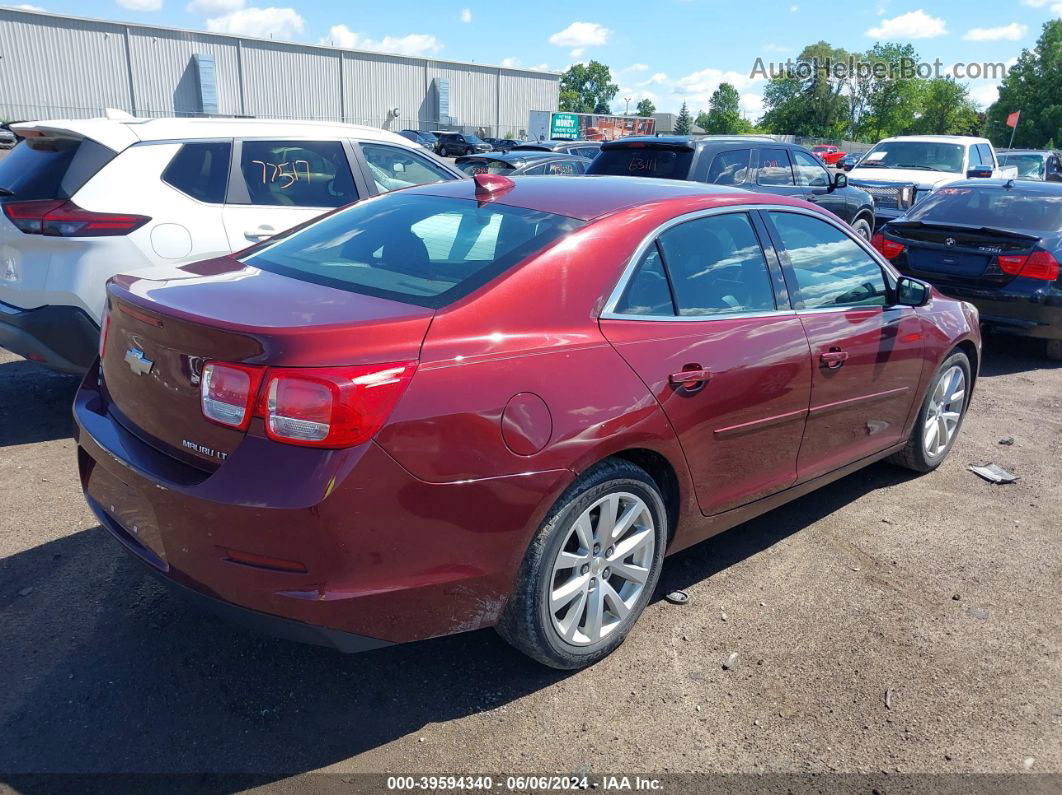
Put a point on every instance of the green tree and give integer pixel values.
(587, 88)
(684, 122)
(645, 107)
(946, 109)
(811, 98)
(1033, 86)
(724, 113)
(895, 92)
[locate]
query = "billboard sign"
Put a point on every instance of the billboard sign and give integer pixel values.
(587, 126)
(564, 125)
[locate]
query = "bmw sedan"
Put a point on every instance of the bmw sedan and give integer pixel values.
(503, 402)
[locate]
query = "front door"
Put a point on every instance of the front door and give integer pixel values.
(817, 183)
(866, 355)
(703, 322)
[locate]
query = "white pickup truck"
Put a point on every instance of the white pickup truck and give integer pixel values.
(900, 171)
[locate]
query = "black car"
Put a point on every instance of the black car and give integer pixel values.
(848, 162)
(454, 144)
(587, 149)
(426, 139)
(1040, 165)
(995, 243)
(501, 144)
(523, 163)
(750, 162)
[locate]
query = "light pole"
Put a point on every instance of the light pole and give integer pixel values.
(627, 109)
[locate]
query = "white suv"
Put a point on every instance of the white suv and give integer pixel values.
(85, 199)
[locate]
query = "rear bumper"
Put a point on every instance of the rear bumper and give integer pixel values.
(1024, 307)
(63, 337)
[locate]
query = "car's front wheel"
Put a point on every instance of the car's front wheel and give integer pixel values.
(862, 227)
(591, 568)
(940, 417)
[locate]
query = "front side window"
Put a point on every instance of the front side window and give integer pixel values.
(297, 173)
(201, 170)
(986, 155)
(393, 167)
(717, 266)
(829, 267)
(809, 171)
(774, 168)
(423, 250)
(729, 168)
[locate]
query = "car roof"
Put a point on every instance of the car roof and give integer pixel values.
(955, 139)
(521, 155)
(117, 133)
(589, 197)
(694, 142)
(1005, 152)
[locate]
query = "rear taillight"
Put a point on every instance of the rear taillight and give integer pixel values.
(227, 393)
(103, 332)
(1038, 265)
(58, 218)
(890, 249)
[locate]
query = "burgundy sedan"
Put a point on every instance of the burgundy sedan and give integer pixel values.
(503, 402)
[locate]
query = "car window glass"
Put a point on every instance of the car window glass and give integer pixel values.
(729, 168)
(643, 162)
(717, 266)
(975, 156)
(393, 167)
(201, 170)
(809, 171)
(830, 268)
(647, 292)
(774, 168)
(297, 173)
(986, 154)
(535, 171)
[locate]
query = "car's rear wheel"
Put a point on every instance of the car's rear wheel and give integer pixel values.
(940, 417)
(862, 227)
(590, 570)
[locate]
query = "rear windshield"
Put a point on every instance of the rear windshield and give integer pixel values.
(473, 167)
(1029, 166)
(424, 250)
(991, 206)
(643, 162)
(51, 168)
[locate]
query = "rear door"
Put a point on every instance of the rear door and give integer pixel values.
(866, 355)
(387, 167)
(774, 173)
(703, 320)
(276, 184)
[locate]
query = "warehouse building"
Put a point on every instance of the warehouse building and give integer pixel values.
(61, 67)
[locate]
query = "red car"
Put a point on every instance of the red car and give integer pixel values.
(503, 402)
(828, 154)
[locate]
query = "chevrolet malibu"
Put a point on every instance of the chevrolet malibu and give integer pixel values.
(502, 402)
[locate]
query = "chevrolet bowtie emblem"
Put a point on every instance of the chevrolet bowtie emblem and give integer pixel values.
(137, 362)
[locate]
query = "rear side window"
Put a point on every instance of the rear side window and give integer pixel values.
(393, 167)
(52, 168)
(647, 292)
(297, 173)
(729, 168)
(648, 161)
(424, 250)
(201, 170)
(774, 168)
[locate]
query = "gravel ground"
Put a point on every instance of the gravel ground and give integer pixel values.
(885, 623)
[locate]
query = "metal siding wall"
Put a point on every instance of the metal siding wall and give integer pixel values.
(164, 77)
(375, 84)
(472, 93)
(521, 93)
(290, 82)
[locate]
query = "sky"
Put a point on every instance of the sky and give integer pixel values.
(669, 51)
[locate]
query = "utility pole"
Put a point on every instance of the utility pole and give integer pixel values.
(627, 109)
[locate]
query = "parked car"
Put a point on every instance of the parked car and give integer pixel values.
(848, 162)
(84, 199)
(750, 162)
(501, 144)
(827, 154)
(7, 138)
(1036, 164)
(426, 139)
(899, 172)
(994, 243)
(502, 402)
(587, 149)
(452, 144)
(523, 163)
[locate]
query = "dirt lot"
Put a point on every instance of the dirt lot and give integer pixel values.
(941, 590)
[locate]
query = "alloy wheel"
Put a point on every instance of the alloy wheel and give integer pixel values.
(601, 568)
(944, 411)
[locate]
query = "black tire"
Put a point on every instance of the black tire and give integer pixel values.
(1053, 350)
(863, 228)
(526, 622)
(914, 456)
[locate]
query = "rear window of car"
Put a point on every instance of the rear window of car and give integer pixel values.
(201, 170)
(1029, 166)
(52, 168)
(647, 161)
(423, 250)
(991, 206)
(486, 166)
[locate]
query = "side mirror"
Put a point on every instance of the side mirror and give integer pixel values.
(840, 180)
(911, 292)
(979, 172)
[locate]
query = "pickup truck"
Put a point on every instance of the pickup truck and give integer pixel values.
(898, 172)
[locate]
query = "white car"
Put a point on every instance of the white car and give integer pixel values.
(83, 200)
(897, 172)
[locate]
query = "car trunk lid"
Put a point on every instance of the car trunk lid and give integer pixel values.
(960, 254)
(160, 335)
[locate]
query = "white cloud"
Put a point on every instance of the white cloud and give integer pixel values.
(1011, 32)
(581, 35)
(542, 67)
(635, 67)
(412, 44)
(794, 9)
(985, 95)
(281, 23)
(510, 62)
(578, 52)
(214, 8)
(28, 7)
(1034, 3)
(772, 47)
(912, 25)
(658, 79)
(466, 14)
(752, 105)
(141, 5)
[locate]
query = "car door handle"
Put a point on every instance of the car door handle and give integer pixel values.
(833, 359)
(261, 233)
(690, 376)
